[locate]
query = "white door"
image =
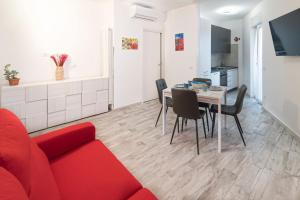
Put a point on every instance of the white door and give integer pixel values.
(151, 64)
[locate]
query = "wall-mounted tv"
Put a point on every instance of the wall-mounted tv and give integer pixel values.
(285, 32)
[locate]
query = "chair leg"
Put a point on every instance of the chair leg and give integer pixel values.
(239, 124)
(213, 125)
(186, 122)
(183, 119)
(197, 136)
(204, 127)
(210, 114)
(176, 122)
(158, 116)
(240, 129)
(178, 125)
(206, 113)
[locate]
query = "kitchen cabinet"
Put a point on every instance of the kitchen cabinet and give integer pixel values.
(215, 78)
(232, 79)
(220, 40)
(204, 49)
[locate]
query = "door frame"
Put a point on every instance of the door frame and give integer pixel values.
(161, 59)
(256, 38)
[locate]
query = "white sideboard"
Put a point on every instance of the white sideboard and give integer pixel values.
(47, 104)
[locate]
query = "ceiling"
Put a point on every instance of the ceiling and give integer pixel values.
(162, 5)
(217, 9)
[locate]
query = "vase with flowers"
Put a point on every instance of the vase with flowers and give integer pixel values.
(59, 60)
(11, 75)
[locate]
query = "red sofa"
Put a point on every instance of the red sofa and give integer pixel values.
(68, 164)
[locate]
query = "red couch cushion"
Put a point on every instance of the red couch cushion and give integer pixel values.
(92, 172)
(10, 187)
(43, 185)
(143, 194)
(15, 148)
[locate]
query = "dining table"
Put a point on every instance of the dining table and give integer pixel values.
(213, 97)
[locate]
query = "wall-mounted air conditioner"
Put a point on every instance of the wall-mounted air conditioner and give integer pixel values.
(140, 12)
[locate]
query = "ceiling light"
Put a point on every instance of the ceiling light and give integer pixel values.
(229, 10)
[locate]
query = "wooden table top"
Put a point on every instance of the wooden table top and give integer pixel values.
(204, 96)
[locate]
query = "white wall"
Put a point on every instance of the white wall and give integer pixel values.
(31, 30)
(281, 74)
(181, 66)
(128, 64)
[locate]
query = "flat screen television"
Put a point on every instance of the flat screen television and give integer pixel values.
(285, 32)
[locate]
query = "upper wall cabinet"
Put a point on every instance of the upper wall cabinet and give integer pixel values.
(220, 40)
(204, 48)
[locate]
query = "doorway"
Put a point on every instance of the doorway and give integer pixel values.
(151, 64)
(256, 75)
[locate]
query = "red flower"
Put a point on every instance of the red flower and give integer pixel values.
(59, 60)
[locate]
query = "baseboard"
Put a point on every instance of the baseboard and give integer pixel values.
(282, 123)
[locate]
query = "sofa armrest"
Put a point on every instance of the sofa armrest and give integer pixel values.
(59, 142)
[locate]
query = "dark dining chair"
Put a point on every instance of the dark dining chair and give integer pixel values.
(232, 110)
(185, 105)
(206, 106)
(161, 85)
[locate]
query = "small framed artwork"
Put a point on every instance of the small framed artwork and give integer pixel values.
(179, 42)
(130, 43)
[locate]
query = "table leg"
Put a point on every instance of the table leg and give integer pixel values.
(164, 114)
(219, 127)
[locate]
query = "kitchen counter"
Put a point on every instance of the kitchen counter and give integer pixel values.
(218, 69)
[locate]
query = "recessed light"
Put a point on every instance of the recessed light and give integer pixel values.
(229, 10)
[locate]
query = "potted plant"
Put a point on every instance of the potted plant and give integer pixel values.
(59, 61)
(11, 75)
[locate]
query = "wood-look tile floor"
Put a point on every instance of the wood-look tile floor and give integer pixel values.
(268, 168)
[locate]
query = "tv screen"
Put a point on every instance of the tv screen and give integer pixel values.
(285, 32)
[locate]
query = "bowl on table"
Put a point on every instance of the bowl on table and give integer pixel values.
(199, 86)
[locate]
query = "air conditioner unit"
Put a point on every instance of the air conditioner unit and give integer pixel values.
(140, 12)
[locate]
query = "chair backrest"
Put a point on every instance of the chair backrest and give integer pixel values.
(185, 103)
(240, 98)
(204, 80)
(160, 85)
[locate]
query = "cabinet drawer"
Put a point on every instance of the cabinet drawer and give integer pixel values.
(88, 110)
(102, 102)
(89, 98)
(90, 85)
(101, 107)
(12, 95)
(36, 108)
(102, 96)
(56, 104)
(95, 84)
(36, 93)
(73, 101)
(36, 122)
(57, 118)
(57, 89)
(73, 114)
(18, 109)
(73, 88)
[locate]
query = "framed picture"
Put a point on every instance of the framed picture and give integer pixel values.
(179, 42)
(130, 43)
